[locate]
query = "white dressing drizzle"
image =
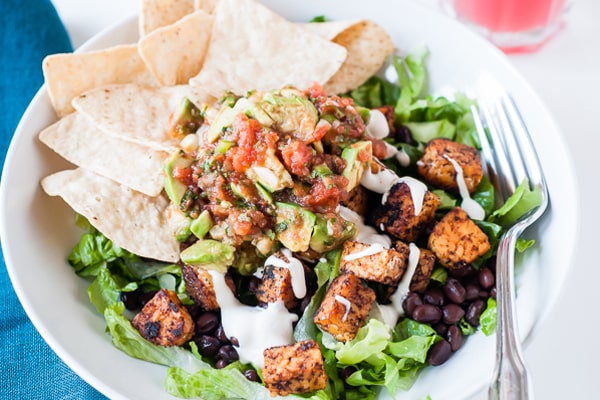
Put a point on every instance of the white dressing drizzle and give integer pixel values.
(255, 328)
(346, 303)
(403, 157)
(365, 233)
(378, 126)
(387, 314)
(471, 207)
(294, 266)
(383, 181)
(373, 248)
(404, 284)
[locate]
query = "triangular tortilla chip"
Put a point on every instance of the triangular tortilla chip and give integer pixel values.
(254, 48)
(134, 112)
(67, 75)
(207, 6)
(132, 220)
(329, 29)
(158, 13)
(368, 46)
(77, 140)
(176, 52)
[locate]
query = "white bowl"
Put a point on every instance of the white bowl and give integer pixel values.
(38, 231)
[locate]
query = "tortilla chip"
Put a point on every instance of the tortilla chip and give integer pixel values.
(67, 75)
(158, 13)
(253, 48)
(368, 46)
(329, 29)
(176, 52)
(207, 6)
(136, 166)
(132, 220)
(134, 112)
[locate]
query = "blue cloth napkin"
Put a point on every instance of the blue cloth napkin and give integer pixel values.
(29, 30)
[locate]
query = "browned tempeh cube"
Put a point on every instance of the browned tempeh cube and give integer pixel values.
(384, 265)
(436, 168)
(164, 320)
(397, 216)
(295, 368)
(420, 278)
(345, 307)
(199, 285)
(276, 283)
(457, 241)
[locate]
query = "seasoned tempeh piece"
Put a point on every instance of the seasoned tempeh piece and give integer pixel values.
(276, 284)
(397, 216)
(420, 278)
(199, 285)
(345, 307)
(164, 320)
(295, 368)
(373, 262)
(457, 241)
(437, 169)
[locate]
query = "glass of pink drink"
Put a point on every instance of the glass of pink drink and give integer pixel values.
(512, 25)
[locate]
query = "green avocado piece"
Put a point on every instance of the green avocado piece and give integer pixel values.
(209, 254)
(291, 113)
(354, 168)
(330, 232)
(201, 225)
(272, 174)
(173, 187)
(183, 232)
(187, 119)
(294, 226)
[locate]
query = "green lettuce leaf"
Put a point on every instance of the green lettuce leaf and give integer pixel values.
(487, 320)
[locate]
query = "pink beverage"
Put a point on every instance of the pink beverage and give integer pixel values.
(513, 25)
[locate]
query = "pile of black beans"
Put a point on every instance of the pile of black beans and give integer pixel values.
(214, 344)
(463, 297)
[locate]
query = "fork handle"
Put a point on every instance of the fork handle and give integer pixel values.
(510, 379)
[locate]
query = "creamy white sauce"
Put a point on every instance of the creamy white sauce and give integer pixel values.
(471, 207)
(390, 150)
(365, 233)
(346, 303)
(373, 248)
(387, 314)
(294, 266)
(403, 157)
(383, 181)
(378, 126)
(404, 284)
(255, 328)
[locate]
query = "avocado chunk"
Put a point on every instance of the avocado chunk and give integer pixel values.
(183, 231)
(209, 254)
(291, 113)
(272, 174)
(294, 226)
(330, 232)
(201, 225)
(187, 119)
(174, 188)
(354, 166)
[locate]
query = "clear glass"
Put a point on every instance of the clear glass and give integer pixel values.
(512, 25)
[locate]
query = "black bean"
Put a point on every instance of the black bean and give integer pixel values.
(220, 334)
(434, 296)
(474, 312)
(409, 303)
(234, 341)
(208, 346)
(251, 375)
(345, 372)
(455, 291)
(452, 313)
(228, 353)
(427, 314)
(221, 363)
(440, 328)
(253, 284)
(486, 278)
(207, 323)
(455, 337)
(493, 293)
(472, 292)
(439, 353)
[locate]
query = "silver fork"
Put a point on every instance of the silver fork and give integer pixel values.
(509, 157)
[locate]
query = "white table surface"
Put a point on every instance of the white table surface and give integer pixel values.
(564, 356)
